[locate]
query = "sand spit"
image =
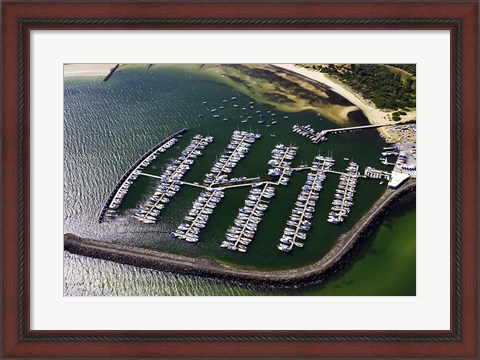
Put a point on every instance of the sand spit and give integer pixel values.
(374, 115)
(338, 257)
(70, 70)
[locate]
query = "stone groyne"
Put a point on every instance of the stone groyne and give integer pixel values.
(336, 259)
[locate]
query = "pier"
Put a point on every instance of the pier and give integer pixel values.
(299, 223)
(344, 195)
(207, 201)
(170, 180)
(373, 173)
(113, 201)
(238, 237)
(318, 136)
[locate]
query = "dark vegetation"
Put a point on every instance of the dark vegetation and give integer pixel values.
(376, 82)
(410, 68)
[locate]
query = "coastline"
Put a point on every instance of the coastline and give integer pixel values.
(374, 115)
(71, 70)
(336, 259)
(322, 82)
(306, 93)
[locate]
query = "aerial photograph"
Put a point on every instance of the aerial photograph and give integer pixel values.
(239, 179)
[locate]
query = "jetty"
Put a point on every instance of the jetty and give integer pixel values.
(111, 72)
(116, 196)
(373, 173)
(318, 136)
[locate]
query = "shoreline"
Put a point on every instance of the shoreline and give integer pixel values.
(72, 70)
(374, 115)
(336, 259)
(338, 113)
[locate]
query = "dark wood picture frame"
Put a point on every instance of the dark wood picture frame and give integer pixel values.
(460, 18)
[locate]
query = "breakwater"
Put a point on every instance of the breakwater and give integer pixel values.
(127, 174)
(337, 258)
(111, 72)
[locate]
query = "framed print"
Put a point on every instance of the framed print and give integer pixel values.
(128, 230)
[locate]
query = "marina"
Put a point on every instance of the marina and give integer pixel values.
(239, 235)
(108, 125)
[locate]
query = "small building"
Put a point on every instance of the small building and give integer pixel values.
(397, 179)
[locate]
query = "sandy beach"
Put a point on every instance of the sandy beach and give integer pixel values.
(374, 115)
(70, 70)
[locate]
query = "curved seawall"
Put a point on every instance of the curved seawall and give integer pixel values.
(336, 259)
(130, 170)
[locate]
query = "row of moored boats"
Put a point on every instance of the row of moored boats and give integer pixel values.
(169, 183)
(135, 173)
(237, 149)
(299, 222)
(197, 217)
(204, 205)
(344, 195)
(281, 162)
(309, 132)
(239, 236)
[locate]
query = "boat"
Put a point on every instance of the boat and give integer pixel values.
(284, 248)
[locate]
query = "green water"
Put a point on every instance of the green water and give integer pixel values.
(108, 125)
